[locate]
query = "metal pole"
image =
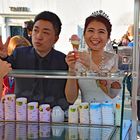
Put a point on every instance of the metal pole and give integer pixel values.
(135, 71)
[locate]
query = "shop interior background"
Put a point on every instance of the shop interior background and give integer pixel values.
(72, 13)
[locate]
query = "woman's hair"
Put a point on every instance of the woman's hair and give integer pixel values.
(51, 17)
(125, 36)
(99, 16)
(17, 41)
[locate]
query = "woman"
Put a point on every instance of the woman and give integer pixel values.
(97, 32)
(17, 41)
(5, 67)
(124, 40)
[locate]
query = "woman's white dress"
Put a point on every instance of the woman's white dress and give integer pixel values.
(91, 91)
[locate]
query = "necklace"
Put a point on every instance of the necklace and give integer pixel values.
(103, 70)
(101, 64)
(96, 67)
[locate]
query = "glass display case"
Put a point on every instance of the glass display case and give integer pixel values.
(65, 130)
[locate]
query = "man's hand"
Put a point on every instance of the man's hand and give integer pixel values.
(5, 68)
(4, 47)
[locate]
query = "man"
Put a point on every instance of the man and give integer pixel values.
(27, 30)
(42, 56)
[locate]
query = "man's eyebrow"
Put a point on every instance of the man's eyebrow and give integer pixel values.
(47, 29)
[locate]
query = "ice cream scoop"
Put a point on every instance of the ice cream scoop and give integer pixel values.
(75, 41)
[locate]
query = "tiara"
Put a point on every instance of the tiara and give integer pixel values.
(100, 13)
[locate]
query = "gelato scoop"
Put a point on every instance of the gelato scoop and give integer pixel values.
(75, 41)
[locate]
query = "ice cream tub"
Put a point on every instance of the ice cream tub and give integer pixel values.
(84, 113)
(21, 109)
(107, 113)
(33, 111)
(73, 114)
(95, 113)
(44, 113)
(10, 107)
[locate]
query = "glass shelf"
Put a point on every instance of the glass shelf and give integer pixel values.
(64, 75)
(51, 131)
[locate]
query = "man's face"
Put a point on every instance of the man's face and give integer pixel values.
(43, 37)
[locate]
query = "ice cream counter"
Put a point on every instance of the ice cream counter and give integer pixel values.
(22, 130)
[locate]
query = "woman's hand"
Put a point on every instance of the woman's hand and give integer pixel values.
(5, 68)
(71, 60)
(4, 47)
(84, 58)
(87, 61)
(81, 57)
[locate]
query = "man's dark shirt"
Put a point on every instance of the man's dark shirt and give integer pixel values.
(45, 90)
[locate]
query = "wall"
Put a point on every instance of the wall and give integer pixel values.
(73, 13)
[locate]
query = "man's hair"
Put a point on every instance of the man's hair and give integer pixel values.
(51, 17)
(29, 25)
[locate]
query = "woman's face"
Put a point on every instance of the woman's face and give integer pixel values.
(96, 35)
(125, 42)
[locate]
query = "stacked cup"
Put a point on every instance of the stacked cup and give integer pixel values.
(10, 107)
(33, 111)
(107, 113)
(73, 114)
(84, 113)
(95, 113)
(1, 111)
(44, 113)
(21, 109)
(57, 114)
